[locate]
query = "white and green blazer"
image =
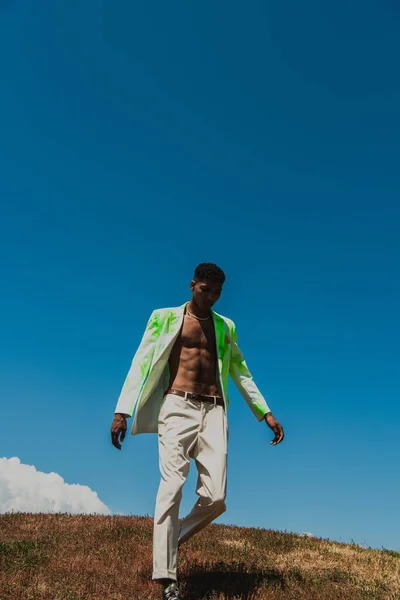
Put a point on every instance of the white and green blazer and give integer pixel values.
(148, 376)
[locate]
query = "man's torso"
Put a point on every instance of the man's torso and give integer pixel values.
(193, 358)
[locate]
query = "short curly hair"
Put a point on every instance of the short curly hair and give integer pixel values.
(209, 271)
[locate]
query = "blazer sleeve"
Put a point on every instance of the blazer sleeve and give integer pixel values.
(140, 367)
(243, 380)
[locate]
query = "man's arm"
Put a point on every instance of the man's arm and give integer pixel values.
(139, 368)
(243, 380)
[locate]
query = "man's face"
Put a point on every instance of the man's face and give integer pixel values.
(205, 293)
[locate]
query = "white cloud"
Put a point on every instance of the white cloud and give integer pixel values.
(307, 534)
(24, 489)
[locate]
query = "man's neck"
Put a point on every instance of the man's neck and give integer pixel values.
(196, 311)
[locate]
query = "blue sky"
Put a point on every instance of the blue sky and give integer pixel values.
(140, 140)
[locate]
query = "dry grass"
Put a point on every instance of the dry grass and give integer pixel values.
(92, 557)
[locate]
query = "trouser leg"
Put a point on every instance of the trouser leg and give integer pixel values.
(210, 454)
(178, 426)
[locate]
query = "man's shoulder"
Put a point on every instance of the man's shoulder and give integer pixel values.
(176, 310)
(166, 312)
(227, 320)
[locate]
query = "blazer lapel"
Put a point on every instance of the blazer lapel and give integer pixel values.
(171, 327)
(219, 326)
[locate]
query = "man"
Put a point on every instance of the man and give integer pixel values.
(178, 383)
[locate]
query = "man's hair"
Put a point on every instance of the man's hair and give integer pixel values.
(209, 271)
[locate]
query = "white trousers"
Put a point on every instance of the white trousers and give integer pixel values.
(187, 429)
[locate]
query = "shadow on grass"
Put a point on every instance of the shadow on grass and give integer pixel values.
(233, 580)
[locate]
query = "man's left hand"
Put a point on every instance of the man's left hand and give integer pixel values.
(276, 428)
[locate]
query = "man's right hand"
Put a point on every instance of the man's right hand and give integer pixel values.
(118, 427)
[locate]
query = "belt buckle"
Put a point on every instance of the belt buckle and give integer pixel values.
(192, 398)
(214, 399)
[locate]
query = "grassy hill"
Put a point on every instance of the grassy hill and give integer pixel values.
(93, 557)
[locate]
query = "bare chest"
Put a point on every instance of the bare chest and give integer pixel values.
(197, 334)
